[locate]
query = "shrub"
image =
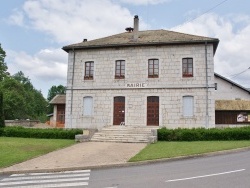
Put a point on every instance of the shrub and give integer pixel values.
(41, 133)
(201, 134)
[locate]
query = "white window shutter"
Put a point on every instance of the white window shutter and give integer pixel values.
(188, 106)
(87, 106)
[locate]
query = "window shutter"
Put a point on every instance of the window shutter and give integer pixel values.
(188, 106)
(87, 106)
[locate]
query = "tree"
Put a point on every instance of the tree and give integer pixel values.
(53, 91)
(20, 77)
(2, 123)
(3, 66)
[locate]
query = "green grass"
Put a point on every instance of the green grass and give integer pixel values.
(162, 150)
(15, 150)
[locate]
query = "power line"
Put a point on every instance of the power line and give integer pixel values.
(201, 14)
(235, 75)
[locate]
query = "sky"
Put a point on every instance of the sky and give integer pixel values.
(33, 32)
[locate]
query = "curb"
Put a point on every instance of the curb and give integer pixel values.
(127, 164)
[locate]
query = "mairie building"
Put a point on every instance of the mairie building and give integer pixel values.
(141, 78)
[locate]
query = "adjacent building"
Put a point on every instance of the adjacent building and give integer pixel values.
(232, 102)
(141, 78)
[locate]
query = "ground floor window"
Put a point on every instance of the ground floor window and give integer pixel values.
(188, 106)
(87, 106)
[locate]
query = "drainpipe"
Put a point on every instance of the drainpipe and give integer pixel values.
(72, 83)
(207, 114)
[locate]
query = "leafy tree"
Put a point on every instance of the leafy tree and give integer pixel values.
(25, 81)
(3, 66)
(14, 99)
(53, 91)
(2, 123)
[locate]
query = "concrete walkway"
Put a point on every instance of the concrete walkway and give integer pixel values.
(84, 155)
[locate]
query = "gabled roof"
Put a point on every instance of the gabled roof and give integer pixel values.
(58, 99)
(146, 38)
(233, 83)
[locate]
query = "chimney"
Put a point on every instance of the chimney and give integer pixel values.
(136, 27)
(85, 40)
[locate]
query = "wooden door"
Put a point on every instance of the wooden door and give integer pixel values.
(153, 110)
(61, 114)
(119, 110)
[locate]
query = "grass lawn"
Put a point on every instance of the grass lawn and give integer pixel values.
(15, 150)
(161, 150)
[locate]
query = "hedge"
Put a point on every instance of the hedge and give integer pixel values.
(39, 133)
(202, 134)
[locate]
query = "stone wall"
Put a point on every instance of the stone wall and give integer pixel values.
(25, 123)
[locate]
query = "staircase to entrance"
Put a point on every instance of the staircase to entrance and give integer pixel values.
(126, 134)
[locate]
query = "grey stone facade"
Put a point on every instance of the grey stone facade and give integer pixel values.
(170, 86)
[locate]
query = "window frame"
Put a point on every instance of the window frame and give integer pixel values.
(89, 70)
(118, 71)
(154, 74)
(187, 73)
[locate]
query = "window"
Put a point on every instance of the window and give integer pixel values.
(89, 70)
(187, 67)
(120, 69)
(153, 68)
(87, 106)
(188, 106)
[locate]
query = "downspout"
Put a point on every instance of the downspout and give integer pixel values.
(207, 114)
(72, 83)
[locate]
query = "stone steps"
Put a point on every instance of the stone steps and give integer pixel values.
(125, 134)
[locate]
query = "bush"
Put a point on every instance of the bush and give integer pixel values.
(40, 133)
(201, 134)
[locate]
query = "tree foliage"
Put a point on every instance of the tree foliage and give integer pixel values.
(53, 91)
(2, 123)
(20, 99)
(3, 66)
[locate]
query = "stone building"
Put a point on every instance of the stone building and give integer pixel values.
(141, 78)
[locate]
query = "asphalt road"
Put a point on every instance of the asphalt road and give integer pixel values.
(223, 171)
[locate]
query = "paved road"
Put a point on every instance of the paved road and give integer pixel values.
(224, 171)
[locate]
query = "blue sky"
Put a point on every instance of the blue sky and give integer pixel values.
(32, 32)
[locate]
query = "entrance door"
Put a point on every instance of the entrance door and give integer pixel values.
(153, 111)
(119, 110)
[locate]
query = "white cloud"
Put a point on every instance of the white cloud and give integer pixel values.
(45, 68)
(144, 2)
(72, 21)
(17, 18)
(232, 55)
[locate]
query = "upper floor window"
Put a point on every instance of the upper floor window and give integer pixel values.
(187, 67)
(153, 68)
(120, 69)
(89, 70)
